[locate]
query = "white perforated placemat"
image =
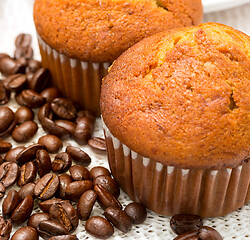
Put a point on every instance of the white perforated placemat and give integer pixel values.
(16, 17)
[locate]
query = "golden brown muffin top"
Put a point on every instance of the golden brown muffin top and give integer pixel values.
(182, 97)
(100, 30)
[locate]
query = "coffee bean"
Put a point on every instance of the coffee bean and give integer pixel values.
(39, 80)
(97, 143)
(86, 203)
(3, 55)
(63, 108)
(19, 99)
(32, 99)
(51, 142)
(4, 94)
(22, 211)
(105, 198)
(61, 163)
(99, 227)
(6, 118)
(24, 114)
(79, 172)
(25, 131)
(2, 190)
(27, 189)
(15, 83)
(25, 233)
(188, 236)
(22, 61)
(109, 184)
(10, 203)
(85, 113)
(182, 223)
(99, 171)
(84, 129)
(23, 52)
(64, 237)
(137, 212)
(29, 153)
(43, 162)
(5, 228)
(45, 205)
(65, 214)
(9, 66)
(1, 160)
(50, 94)
(65, 180)
(78, 155)
(47, 186)
(70, 126)
(208, 233)
(36, 218)
(75, 189)
(118, 218)
(27, 173)
(4, 146)
(32, 66)
(9, 173)
(23, 40)
(48, 228)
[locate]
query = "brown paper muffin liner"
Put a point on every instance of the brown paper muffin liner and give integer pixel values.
(170, 190)
(77, 80)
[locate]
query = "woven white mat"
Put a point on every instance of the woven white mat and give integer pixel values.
(16, 17)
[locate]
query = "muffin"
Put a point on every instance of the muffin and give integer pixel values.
(79, 39)
(176, 115)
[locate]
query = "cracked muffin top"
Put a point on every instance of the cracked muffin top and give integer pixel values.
(99, 31)
(182, 97)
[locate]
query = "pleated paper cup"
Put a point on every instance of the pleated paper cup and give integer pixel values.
(77, 80)
(169, 190)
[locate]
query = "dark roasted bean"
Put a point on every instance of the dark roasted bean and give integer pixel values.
(118, 218)
(61, 163)
(45, 112)
(2, 190)
(15, 83)
(5, 228)
(137, 212)
(43, 162)
(78, 155)
(27, 189)
(85, 113)
(65, 180)
(32, 99)
(182, 223)
(23, 52)
(63, 108)
(22, 211)
(99, 227)
(11, 155)
(25, 131)
(65, 214)
(22, 61)
(9, 173)
(25, 233)
(105, 198)
(97, 143)
(39, 80)
(208, 233)
(6, 118)
(45, 205)
(36, 218)
(99, 171)
(64, 237)
(109, 184)
(33, 66)
(19, 99)
(75, 189)
(9, 66)
(4, 94)
(28, 154)
(84, 129)
(47, 186)
(27, 173)
(23, 40)
(1, 160)
(10, 203)
(70, 126)
(48, 228)
(86, 203)
(24, 114)
(79, 172)
(51, 142)
(188, 236)
(50, 94)
(4, 146)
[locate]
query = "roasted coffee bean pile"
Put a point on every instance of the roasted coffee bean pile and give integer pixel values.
(56, 183)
